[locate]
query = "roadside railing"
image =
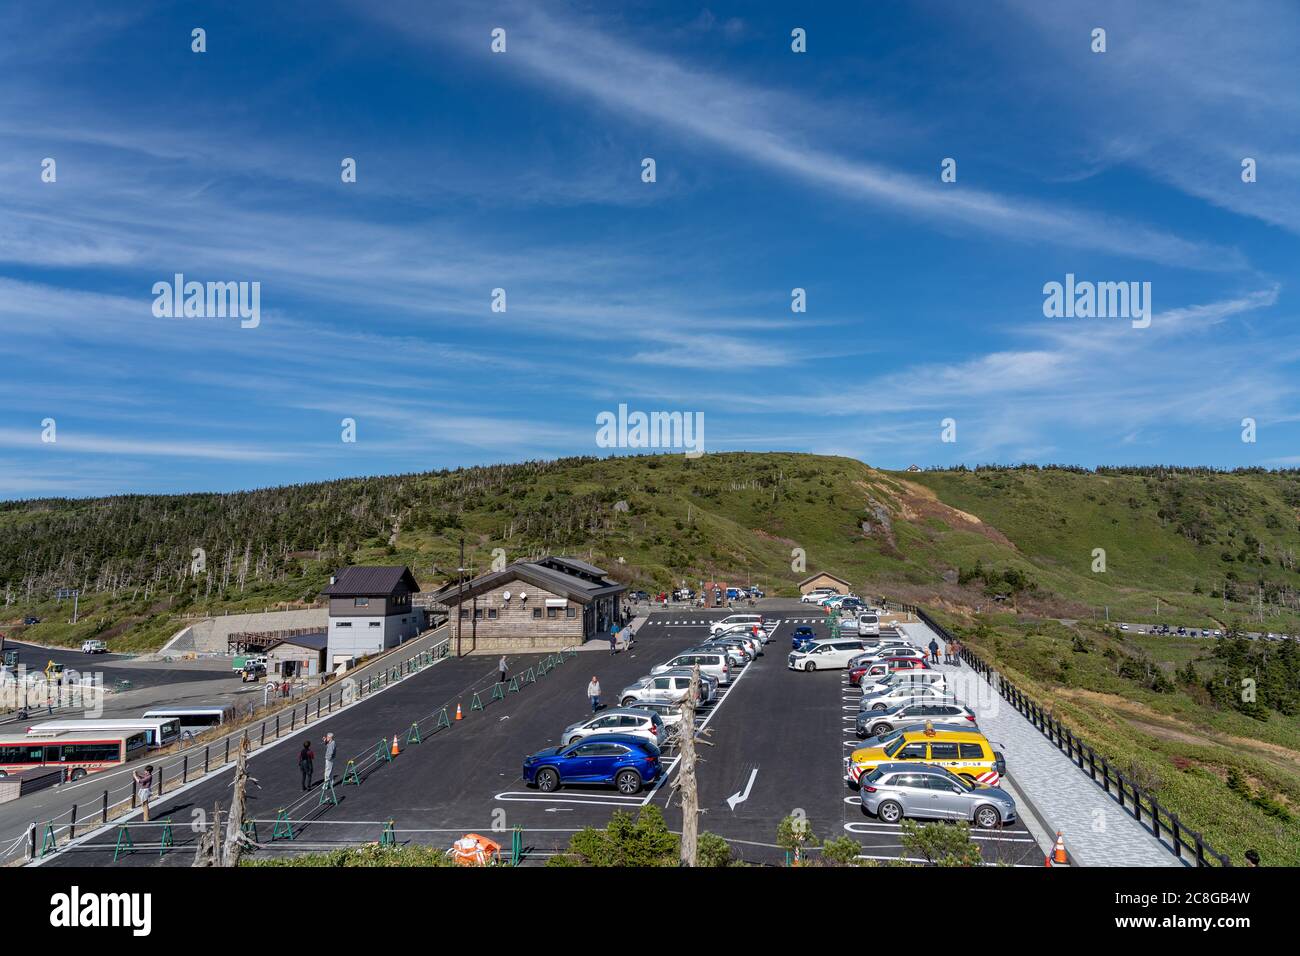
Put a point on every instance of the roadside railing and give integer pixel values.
(196, 759)
(356, 769)
(1184, 842)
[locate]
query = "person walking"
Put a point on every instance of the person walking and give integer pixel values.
(331, 748)
(503, 668)
(593, 693)
(307, 764)
(954, 649)
(613, 640)
(144, 788)
(934, 651)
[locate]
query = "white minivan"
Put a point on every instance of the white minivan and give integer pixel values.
(825, 655)
(736, 621)
(868, 625)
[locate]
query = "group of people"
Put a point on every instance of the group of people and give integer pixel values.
(951, 651)
(307, 762)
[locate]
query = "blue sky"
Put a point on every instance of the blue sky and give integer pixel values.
(522, 171)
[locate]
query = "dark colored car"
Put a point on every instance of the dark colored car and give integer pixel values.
(31, 620)
(639, 596)
(801, 634)
(625, 761)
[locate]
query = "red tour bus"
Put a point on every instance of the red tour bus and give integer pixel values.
(77, 752)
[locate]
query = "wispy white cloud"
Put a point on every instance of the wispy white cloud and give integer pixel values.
(754, 124)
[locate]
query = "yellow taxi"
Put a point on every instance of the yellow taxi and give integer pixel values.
(964, 752)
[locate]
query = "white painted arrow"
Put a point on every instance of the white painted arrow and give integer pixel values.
(559, 809)
(736, 798)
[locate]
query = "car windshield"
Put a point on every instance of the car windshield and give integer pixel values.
(894, 746)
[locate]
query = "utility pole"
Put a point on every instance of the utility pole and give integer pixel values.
(460, 595)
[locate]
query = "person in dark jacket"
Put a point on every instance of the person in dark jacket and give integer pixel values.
(307, 764)
(934, 651)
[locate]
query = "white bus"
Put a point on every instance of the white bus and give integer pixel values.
(161, 731)
(194, 720)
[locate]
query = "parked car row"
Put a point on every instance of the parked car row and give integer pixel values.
(923, 754)
(621, 746)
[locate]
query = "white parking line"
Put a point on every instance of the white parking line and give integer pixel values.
(596, 799)
(867, 828)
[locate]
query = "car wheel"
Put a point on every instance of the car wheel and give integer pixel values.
(574, 740)
(881, 728)
(879, 707)
(810, 666)
(987, 817)
(548, 781)
(78, 773)
(628, 782)
(889, 812)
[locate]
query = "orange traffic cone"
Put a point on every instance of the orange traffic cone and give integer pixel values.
(1058, 853)
(395, 750)
(459, 715)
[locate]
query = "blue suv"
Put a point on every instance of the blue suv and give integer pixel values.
(625, 761)
(801, 634)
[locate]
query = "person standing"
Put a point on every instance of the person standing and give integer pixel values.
(503, 668)
(144, 788)
(613, 640)
(331, 747)
(593, 694)
(934, 651)
(307, 764)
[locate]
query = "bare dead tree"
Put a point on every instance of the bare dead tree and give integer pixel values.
(214, 849)
(236, 839)
(686, 784)
(208, 850)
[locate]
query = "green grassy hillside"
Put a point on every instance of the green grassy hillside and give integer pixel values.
(1211, 548)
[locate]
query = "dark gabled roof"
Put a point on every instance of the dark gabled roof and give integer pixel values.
(315, 642)
(826, 574)
(364, 581)
(547, 573)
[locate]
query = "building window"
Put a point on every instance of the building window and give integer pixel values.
(361, 602)
(478, 614)
(492, 614)
(375, 624)
(464, 614)
(551, 612)
(570, 612)
(344, 623)
(537, 613)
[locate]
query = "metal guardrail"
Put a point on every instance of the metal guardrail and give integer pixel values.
(1141, 804)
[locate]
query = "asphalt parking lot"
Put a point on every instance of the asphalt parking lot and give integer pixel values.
(776, 741)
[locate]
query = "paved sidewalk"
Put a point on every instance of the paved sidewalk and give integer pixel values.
(1097, 831)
